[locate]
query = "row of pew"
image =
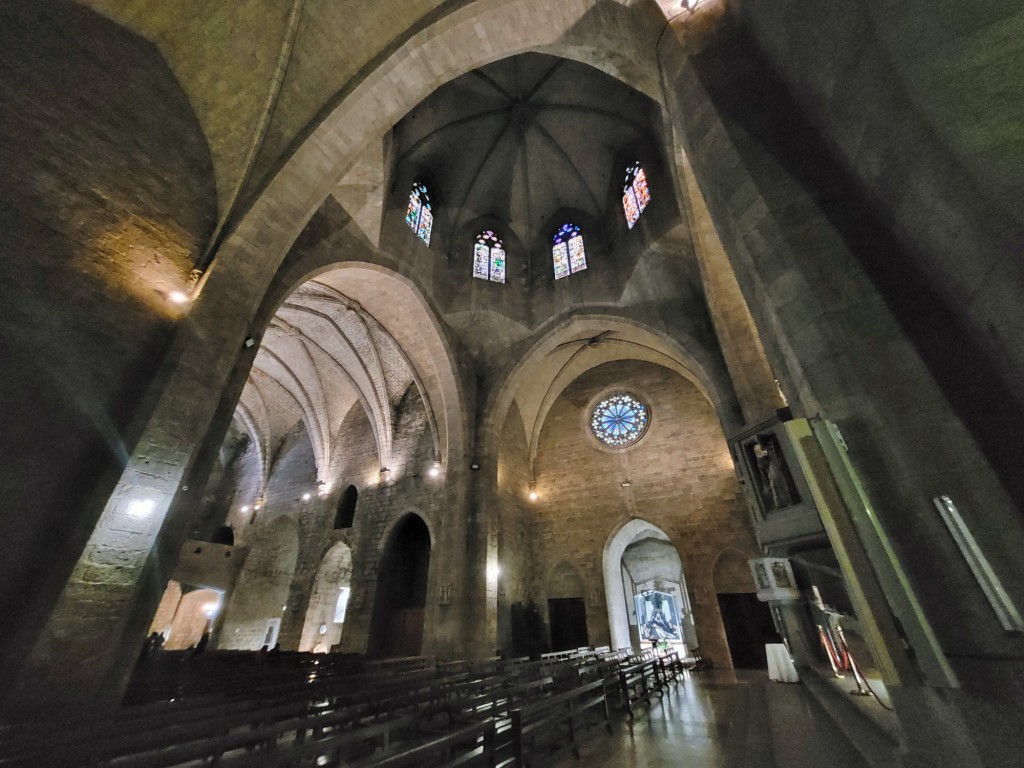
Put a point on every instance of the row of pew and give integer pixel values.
(300, 710)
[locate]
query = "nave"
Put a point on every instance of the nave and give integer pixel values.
(725, 719)
(594, 706)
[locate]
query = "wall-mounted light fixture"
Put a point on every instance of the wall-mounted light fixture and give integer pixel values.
(307, 496)
(435, 469)
(626, 484)
(322, 488)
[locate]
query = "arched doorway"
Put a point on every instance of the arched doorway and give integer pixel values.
(397, 628)
(646, 591)
(185, 614)
(325, 616)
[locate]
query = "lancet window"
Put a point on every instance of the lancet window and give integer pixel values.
(636, 195)
(418, 215)
(567, 252)
(489, 257)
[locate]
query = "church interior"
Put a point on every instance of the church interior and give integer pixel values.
(655, 342)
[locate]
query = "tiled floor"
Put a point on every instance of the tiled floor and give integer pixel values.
(719, 719)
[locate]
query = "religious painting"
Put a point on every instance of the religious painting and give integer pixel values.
(657, 616)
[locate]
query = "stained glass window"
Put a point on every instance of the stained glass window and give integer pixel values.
(636, 195)
(418, 215)
(619, 420)
(489, 258)
(568, 253)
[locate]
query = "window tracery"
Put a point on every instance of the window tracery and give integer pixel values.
(567, 253)
(619, 420)
(419, 215)
(489, 257)
(636, 195)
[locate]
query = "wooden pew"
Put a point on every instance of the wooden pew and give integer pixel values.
(319, 711)
(553, 723)
(177, 744)
(470, 746)
(497, 701)
(635, 684)
(340, 749)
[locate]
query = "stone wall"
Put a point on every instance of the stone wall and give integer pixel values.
(514, 523)
(98, 223)
(862, 330)
(681, 480)
(309, 588)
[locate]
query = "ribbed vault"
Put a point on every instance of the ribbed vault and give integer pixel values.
(524, 140)
(322, 354)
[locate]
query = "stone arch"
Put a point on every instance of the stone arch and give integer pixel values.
(391, 311)
(334, 574)
(193, 615)
(543, 372)
(400, 598)
(264, 586)
(214, 337)
(615, 595)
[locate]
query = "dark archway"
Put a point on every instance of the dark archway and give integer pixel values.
(397, 628)
(225, 534)
(346, 514)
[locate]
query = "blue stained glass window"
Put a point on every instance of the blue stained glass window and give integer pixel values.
(489, 258)
(619, 420)
(636, 195)
(418, 215)
(568, 253)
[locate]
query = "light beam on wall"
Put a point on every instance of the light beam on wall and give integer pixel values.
(141, 508)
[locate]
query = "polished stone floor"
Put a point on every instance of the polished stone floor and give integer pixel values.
(719, 719)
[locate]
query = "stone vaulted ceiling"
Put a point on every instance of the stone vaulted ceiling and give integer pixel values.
(524, 142)
(322, 354)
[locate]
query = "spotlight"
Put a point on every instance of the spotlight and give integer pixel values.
(534, 495)
(245, 507)
(178, 297)
(307, 496)
(435, 469)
